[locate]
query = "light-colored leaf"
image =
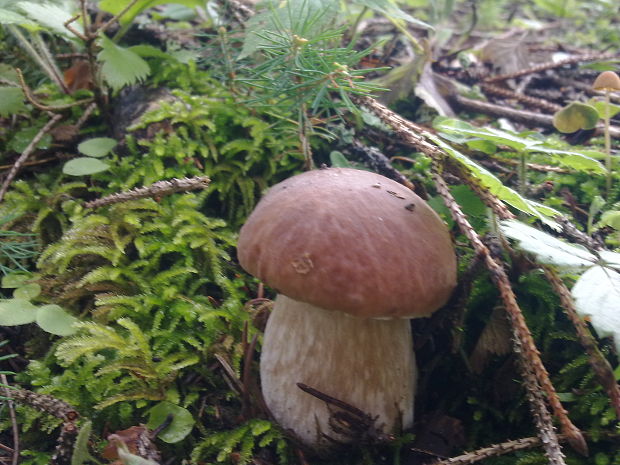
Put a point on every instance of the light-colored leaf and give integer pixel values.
(611, 259)
(338, 160)
(14, 280)
(181, 425)
(82, 166)
(130, 459)
(97, 146)
(15, 312)
(600, 107)
(547, 248)
(51, 16)
(80, 448)
(12, 17)
(27, 291)
(11, 101)
(114, 7)
(121, 67)
(597, 295)
(55, 320)
(611, 218)
(575, 116)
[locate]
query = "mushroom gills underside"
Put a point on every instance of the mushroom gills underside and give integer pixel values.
(367, 363)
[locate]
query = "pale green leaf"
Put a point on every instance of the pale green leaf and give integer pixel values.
(12, 17)
(16, 312)
(121, 67)
(547, 248)
(14, 280)
(127, 458)
(84, 166)
(611, 218)
(597, 296)
(27, 291)
(600, 107)
(55, 320)
(338, 160)
(50, 16)
(494, 135)
(574, 117)
(11, 101)
(182, 421)
(97, 147)
(574, 160)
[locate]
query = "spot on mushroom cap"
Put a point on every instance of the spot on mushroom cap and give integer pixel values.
(607, 80)
(350, 240)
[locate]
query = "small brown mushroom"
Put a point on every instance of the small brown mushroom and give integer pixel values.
(607, 80)
(353, 255)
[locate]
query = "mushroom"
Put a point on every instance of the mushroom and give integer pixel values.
(353, 255)
(607, 82)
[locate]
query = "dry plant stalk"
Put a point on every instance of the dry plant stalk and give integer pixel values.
(552, 65)
(157, 189)
(491, 451)
(44, 403)
(524, 343)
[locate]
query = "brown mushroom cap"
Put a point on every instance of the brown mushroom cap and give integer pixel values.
(607, 80)
(350, 240)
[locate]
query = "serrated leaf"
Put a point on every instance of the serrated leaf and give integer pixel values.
(55, 320)
(15, 312)
(83, 166)
(597, 295)
(11, 101)
(574, 160)
(12, 17)
(182, 421)
(547, 248)
(27, 291)
(121, 67)
(50, 16)
(574, 117)
(97, 146)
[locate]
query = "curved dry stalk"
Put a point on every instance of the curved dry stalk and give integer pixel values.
(26, 153)
(523, 345)
(157, 189)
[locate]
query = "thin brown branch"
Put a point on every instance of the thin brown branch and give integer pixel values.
(114, 19)
(532, 369)
(26, 153)
(157, 189)
(40, 106)
(552, 65)
(528, 100)
(15, 429)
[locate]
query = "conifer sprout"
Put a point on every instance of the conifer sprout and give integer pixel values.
(607, 81)
(353, 256)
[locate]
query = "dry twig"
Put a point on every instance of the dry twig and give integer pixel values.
(157, 189)
(7, 392)
(26, 153)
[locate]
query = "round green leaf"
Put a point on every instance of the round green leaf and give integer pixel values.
(15, 312)
(55, 320)
(14, 280)
(182, 421)
(574, 117)
(27, 291)
(97, 147)
(83, 166)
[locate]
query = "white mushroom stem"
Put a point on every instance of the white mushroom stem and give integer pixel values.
(367, 363)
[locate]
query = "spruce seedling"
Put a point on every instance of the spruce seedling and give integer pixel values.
(607, 81)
